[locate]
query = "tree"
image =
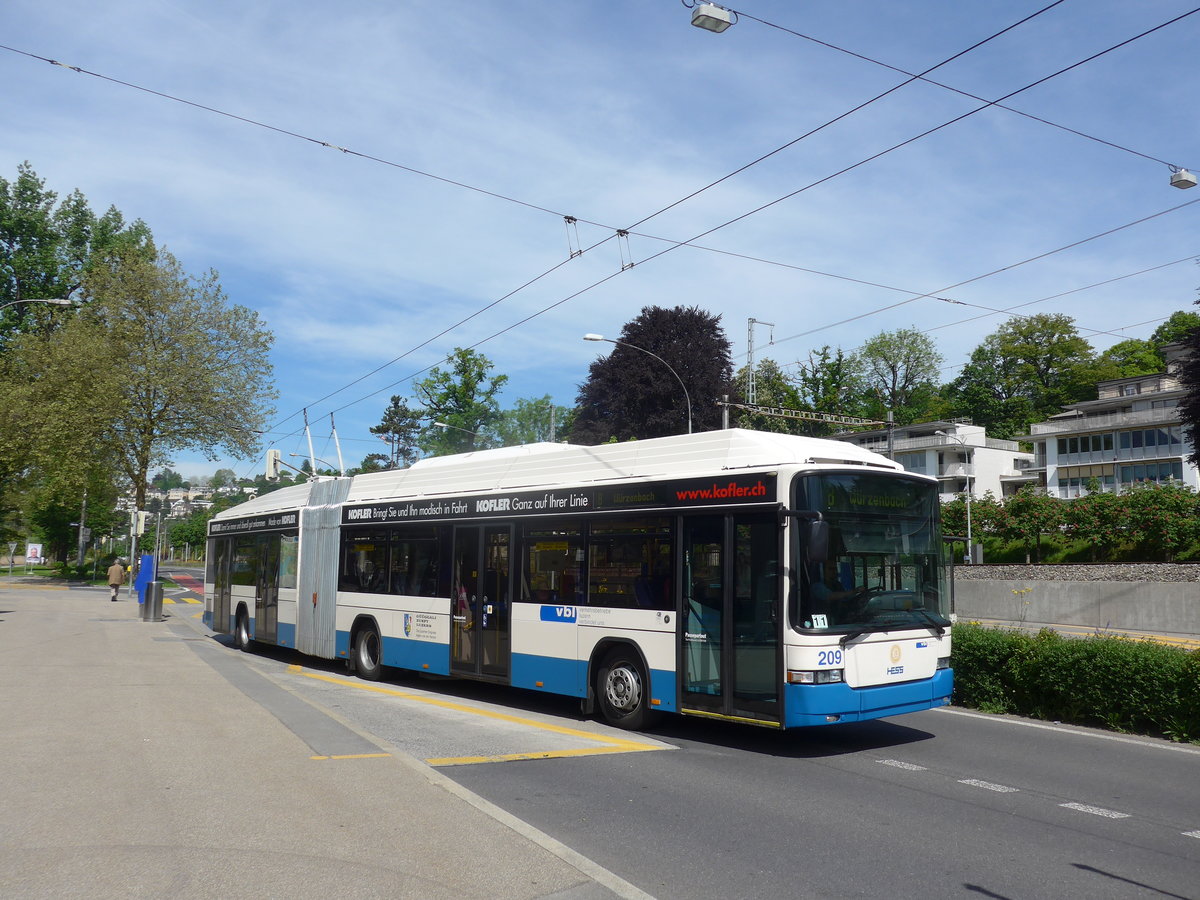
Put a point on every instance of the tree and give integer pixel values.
(1026, 370)
(1189, 378)
(155, 362)
(223, 478)
(46, 250)
(1162, 517)
(463, 399)
(630, 394)
(1127, 359)
(400, 427)
(772, 388)
(989, 392)
(529, 421)
(191, 531)
(1031, 513)
(1098, 519)
(167, 479)
(372, 462)
(1178, 327)
(898, 371)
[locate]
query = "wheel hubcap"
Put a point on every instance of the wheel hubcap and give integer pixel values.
(623, 689)
(368, 651)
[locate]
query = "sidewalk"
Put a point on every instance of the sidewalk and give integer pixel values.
(145, 760)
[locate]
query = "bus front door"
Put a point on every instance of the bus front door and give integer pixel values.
(731, 632)
(481, 594)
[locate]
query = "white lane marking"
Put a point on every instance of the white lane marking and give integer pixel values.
(1195, 834)
(987, 785)
(1095, 810)
(901, 765)
(1079, 732)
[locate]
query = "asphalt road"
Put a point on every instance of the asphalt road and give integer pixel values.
(939, 804)
(946, 803)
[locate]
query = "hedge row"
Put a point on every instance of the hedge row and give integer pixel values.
(1125, 685)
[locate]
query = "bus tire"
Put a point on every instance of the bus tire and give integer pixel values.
(368, 653)
(241, 632)
(622, 691)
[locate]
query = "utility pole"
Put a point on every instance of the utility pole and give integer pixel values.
(751, 390)
(82, 531)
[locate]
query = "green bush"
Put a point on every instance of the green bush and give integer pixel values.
(1122, 684)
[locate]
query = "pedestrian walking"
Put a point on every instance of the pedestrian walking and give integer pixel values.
(116, 578)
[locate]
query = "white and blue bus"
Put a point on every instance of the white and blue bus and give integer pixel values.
(752, 577)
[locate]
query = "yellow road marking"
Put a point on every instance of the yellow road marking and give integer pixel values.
(613, 744)
(1089, 631)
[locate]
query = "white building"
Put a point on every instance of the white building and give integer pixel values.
(960, 455)
(1131, 433)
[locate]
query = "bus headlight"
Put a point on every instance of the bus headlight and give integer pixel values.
(943, 662)
(820, 676)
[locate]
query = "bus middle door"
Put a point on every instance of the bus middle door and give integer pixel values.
(481, 597)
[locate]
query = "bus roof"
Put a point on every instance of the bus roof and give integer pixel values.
(535, 465)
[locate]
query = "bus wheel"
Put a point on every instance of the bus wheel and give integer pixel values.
(241, 632)
(621, 687)
(367, 654)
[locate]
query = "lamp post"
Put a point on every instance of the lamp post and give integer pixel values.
(686, 396)
(57, 301)
(962, 441)
(456, 428)
(473, 434)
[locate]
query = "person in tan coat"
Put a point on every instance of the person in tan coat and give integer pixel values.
(116, 578)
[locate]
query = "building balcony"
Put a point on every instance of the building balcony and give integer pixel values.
(957, 470)
(1107, 421)
(880, 445)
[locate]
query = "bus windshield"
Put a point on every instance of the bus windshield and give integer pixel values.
(882, 568)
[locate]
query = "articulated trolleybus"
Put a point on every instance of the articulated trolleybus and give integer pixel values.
(752, 577)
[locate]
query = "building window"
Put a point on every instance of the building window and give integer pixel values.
(1157, 473)
(914, 462)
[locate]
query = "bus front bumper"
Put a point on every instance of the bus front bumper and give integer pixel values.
(827, 704)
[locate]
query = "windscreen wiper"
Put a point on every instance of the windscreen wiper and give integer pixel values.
(859, 632)
(933, 623)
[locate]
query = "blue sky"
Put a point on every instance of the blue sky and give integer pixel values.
(610, 112)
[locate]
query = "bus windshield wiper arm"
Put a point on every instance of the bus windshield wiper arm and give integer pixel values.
(933, 623)
(859, 632)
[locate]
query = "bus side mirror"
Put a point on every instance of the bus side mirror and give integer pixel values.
(817, 545)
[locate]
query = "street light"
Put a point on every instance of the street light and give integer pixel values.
(57, 301)
(962, 441)
(1182, 178)
(711, 17)
(686, 396)
(456, 428)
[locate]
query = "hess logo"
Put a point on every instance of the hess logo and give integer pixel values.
(895, 654)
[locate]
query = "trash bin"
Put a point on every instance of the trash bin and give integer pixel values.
(152, 605)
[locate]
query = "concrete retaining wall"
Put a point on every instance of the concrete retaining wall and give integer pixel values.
(1090, 596)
